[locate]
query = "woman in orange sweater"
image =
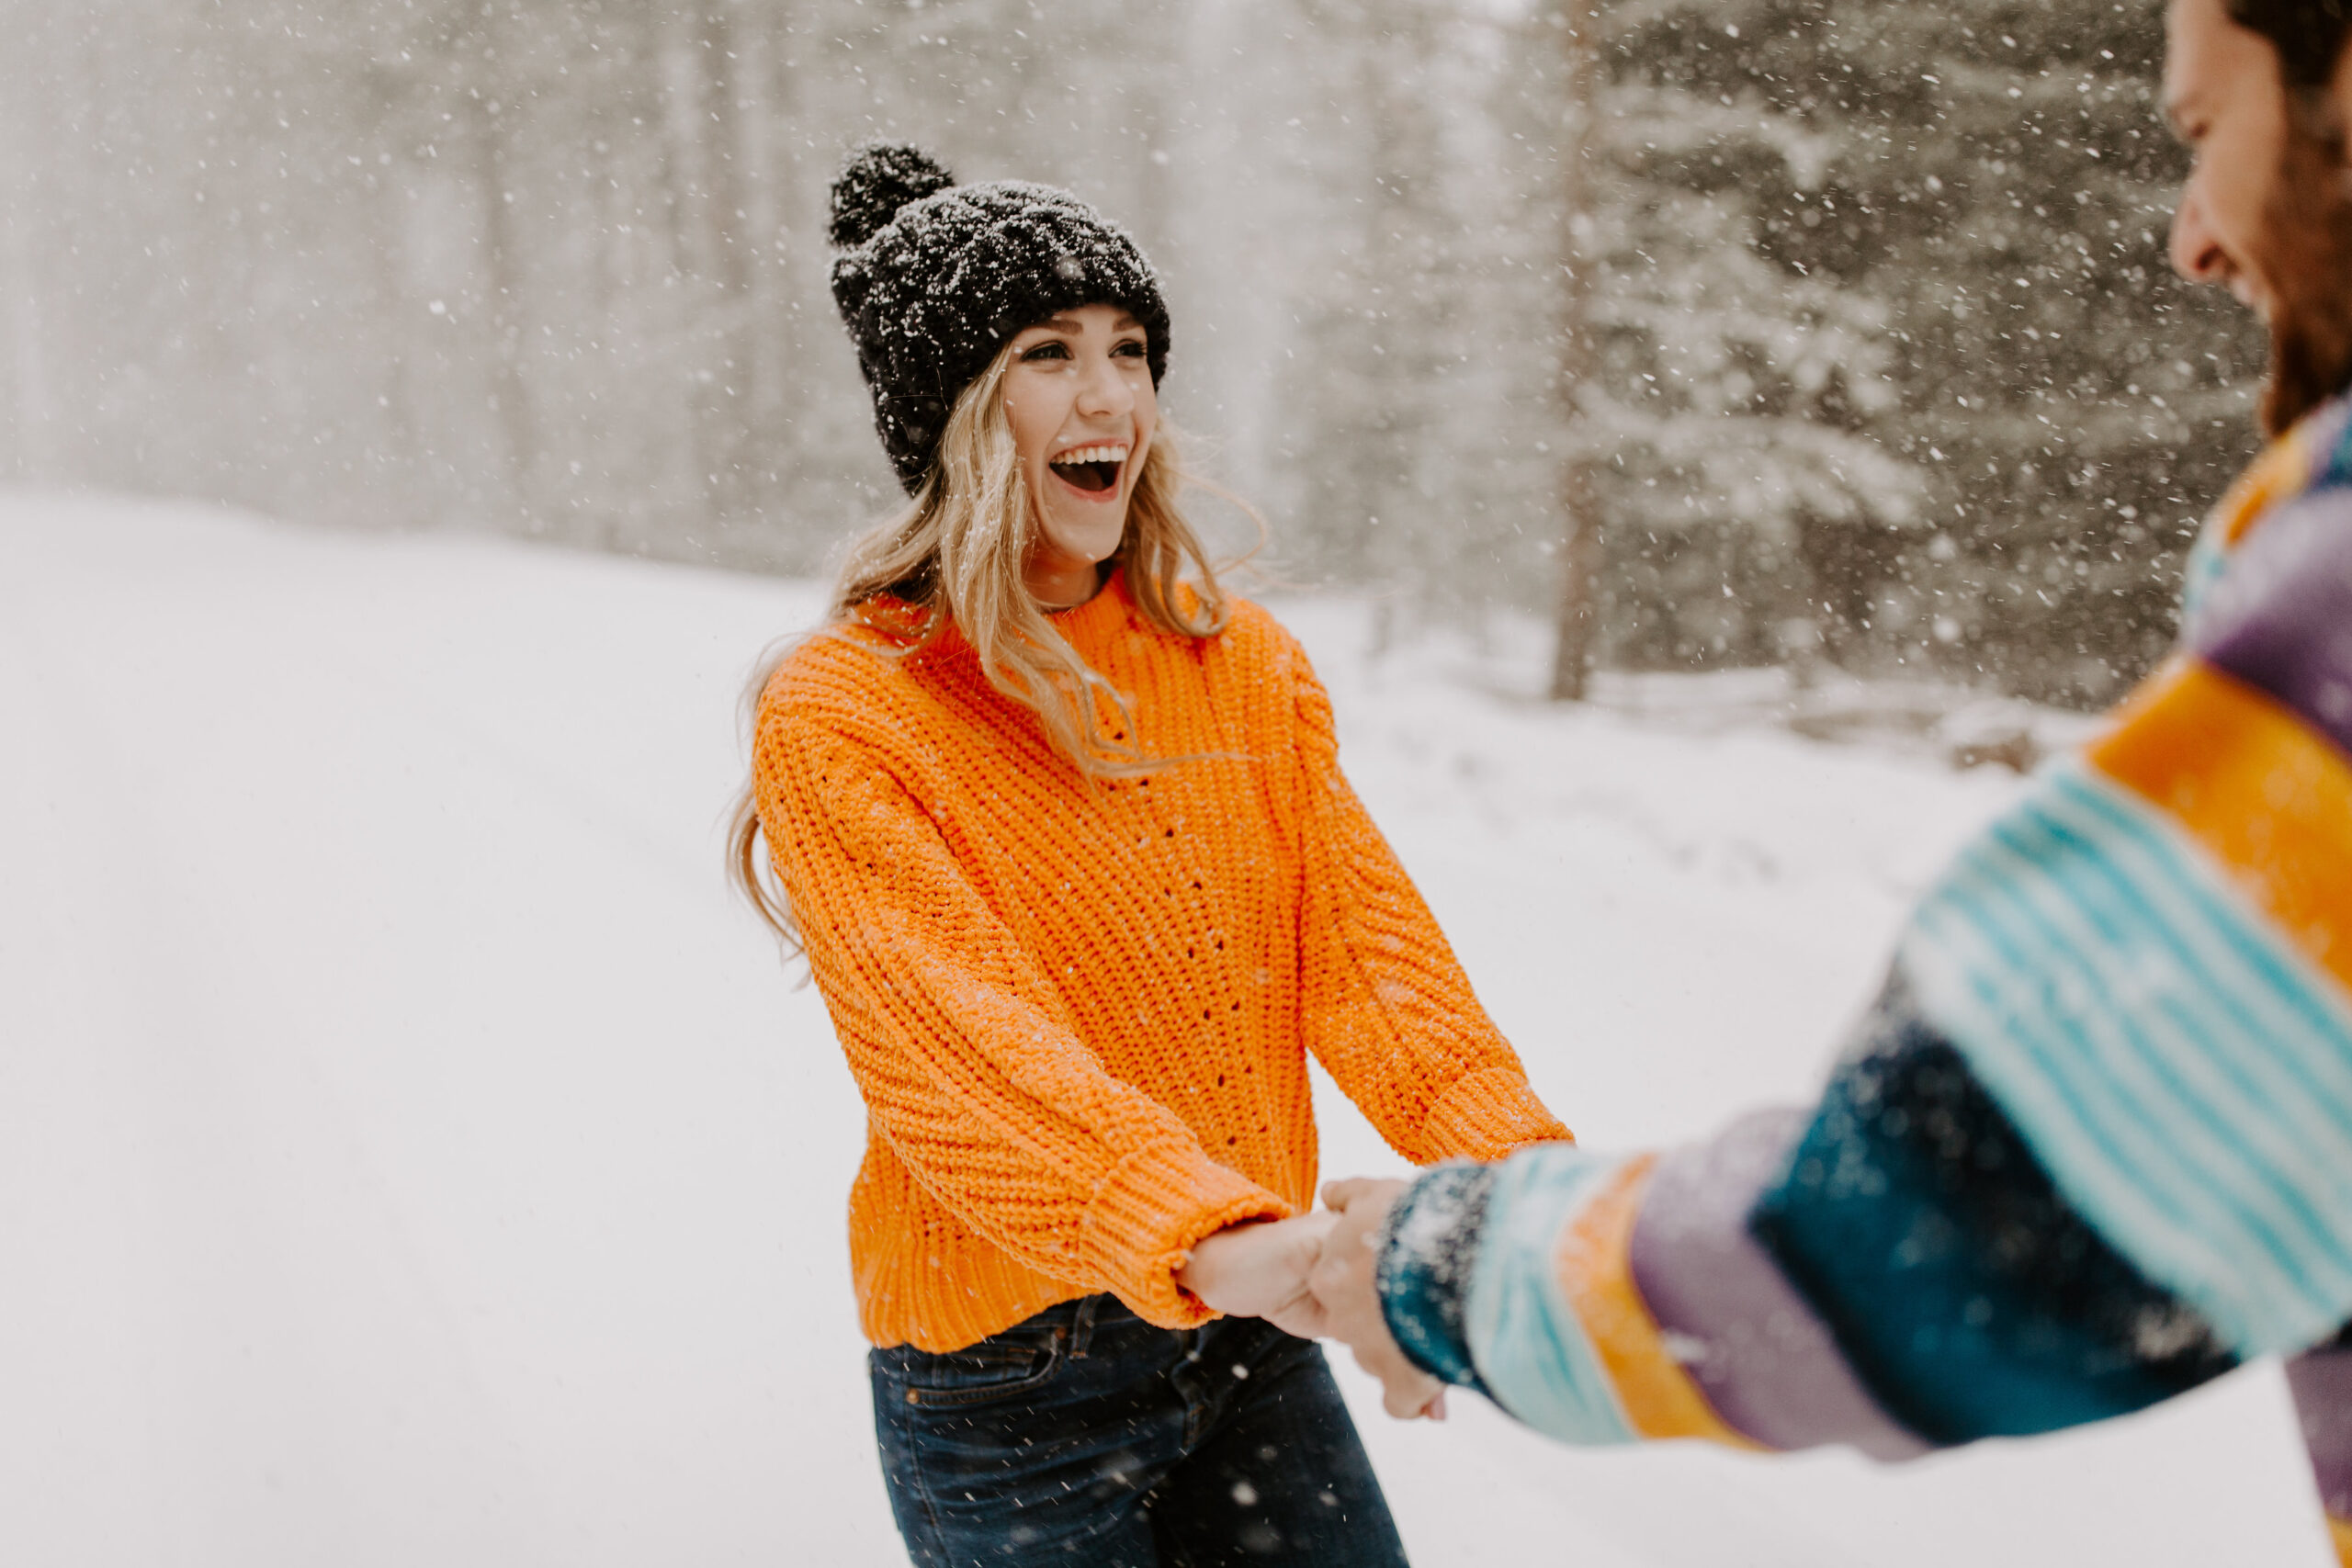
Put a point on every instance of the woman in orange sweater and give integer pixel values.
(1066, 842)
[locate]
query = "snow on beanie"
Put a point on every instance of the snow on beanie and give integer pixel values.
(932, 278)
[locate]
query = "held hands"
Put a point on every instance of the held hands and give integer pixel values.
(1344, 1287)
(1311, 1277)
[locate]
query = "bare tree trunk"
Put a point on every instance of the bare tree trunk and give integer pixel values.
(682, 149)
(1578, 612)
(720, 116)
(759, 89)
(689, 153)
(25, 440)
(1580, 567)
(502, 287)
(1153, 113)
(51, 112)
(730, 123)
(405, 455)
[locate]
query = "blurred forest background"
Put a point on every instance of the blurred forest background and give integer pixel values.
(1735, 333)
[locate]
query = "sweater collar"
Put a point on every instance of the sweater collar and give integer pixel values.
(2314, 454)
(1088, 624)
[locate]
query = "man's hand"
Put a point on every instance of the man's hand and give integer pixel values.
(1342, 1282)
(1260, 1269)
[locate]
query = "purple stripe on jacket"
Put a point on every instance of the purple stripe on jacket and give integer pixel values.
(2321, 1382)
(2281, 619)
(1766, 1363)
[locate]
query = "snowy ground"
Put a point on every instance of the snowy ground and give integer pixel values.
(410, 1155)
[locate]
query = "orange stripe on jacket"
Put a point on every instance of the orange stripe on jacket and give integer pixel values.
(2264, 795)
(1596, 1270)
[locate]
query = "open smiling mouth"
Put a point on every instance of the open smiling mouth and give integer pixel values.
(1093, 468)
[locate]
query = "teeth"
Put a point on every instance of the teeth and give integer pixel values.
(1103, 454)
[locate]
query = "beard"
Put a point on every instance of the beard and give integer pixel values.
(2307, 231)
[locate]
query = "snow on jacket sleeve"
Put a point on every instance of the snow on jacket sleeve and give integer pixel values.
(967, 1057)
(1387, 1009)
(2090, 1148)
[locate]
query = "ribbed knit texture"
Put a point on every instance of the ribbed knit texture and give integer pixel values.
(1079, 1012)
(2091, 1146)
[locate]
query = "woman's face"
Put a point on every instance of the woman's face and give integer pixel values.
(1079, 396)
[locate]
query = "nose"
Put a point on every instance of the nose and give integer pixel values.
(1106, 392)
(2196, 253)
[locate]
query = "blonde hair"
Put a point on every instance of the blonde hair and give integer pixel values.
(954, 556)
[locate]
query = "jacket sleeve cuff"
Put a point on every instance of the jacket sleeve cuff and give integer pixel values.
(1489, 1112)
(1429, 1246)
(1145, 1218)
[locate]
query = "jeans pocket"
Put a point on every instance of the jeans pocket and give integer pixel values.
(1002, 1367)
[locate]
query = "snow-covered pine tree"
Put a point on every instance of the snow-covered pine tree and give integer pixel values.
(1884, 351)
(2076, 406)
(1720, 395)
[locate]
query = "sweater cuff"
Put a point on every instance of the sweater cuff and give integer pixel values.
(1489, 1112)
(1145, 1218)
(1428, 1246)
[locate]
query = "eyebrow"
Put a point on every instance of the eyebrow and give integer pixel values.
(1068, 328)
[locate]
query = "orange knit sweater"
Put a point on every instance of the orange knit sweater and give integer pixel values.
(1079, 1014)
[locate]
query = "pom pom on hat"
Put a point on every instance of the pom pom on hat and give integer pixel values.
(933, 277)
(882, 178)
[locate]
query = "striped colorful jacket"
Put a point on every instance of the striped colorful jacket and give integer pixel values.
(2090, 1148)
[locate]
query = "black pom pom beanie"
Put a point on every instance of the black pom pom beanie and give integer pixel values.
(932, 278)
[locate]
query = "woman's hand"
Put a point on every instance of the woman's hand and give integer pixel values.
(1342, 1280)
(1258, 1269)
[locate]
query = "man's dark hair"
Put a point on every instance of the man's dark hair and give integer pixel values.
(2308, 34)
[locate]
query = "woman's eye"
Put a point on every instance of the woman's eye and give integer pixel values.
(1130, 349)
(1044, 351)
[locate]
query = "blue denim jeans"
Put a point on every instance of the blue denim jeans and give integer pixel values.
(1087, 1435)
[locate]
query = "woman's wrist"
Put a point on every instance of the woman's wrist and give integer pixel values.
(1202, 1263)
(1260, 1268)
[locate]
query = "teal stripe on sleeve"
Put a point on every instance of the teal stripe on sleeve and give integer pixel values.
(1525, 1338)
(2182, 1072)
(2139, 1073)
(2207, 559)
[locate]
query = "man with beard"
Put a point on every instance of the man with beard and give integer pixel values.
(2092, 1145)
(2259, 95)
